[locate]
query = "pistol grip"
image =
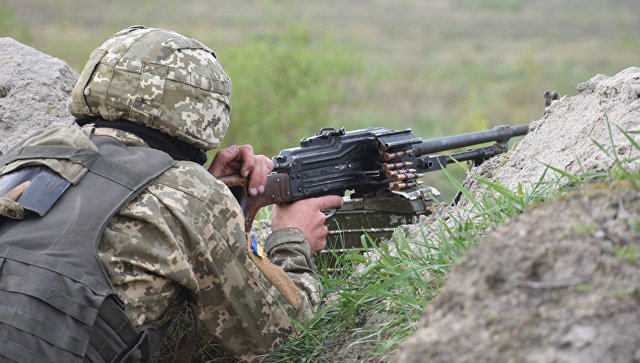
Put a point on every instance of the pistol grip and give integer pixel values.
(277, 190)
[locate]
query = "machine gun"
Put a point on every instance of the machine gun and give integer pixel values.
(379, 165)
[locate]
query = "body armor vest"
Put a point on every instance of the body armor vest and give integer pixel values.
(56, 301)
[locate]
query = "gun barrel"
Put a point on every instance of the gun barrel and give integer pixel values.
(498, 133)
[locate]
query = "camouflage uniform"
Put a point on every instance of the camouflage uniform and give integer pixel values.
(184, 234)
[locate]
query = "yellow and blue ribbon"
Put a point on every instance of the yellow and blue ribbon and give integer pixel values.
(256, 248)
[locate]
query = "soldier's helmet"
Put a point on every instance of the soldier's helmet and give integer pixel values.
(160, 79)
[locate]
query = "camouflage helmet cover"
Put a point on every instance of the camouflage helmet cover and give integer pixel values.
(160, 79)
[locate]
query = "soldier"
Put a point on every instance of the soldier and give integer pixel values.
(107, 229)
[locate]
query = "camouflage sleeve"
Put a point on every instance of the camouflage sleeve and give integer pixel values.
(245, 301)
(289, 249)
(186, 232)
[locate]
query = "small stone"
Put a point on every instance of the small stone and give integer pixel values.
(4, 91)
(606, 246)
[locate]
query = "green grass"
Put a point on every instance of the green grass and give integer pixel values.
(627, 253)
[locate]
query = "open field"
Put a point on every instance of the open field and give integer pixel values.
(436, 61)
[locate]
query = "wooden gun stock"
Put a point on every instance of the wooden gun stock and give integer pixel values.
(277, 190)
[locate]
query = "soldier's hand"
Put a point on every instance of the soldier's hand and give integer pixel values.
(241, 160)
(307, 215)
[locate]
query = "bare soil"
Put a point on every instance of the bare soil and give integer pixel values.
(560, 283)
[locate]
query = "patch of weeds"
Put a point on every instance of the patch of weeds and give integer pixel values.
(623, 168)
(627, 253)
(577, 229)
(587, 288)
(490, 317)
(558, 296)
(632, 291)
(389, 290)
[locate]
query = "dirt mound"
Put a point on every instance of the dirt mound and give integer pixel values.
(562, 281)
(568, 130)
(34, 88)
(563, 138)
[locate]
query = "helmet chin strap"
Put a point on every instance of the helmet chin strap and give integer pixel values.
(177, 149)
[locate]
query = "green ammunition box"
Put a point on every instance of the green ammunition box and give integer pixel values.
(377, 216)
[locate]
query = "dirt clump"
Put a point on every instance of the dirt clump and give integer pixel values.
(568, 135)
(34, 88)
(559, 283)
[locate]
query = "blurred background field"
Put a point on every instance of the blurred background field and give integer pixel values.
(438, 67)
